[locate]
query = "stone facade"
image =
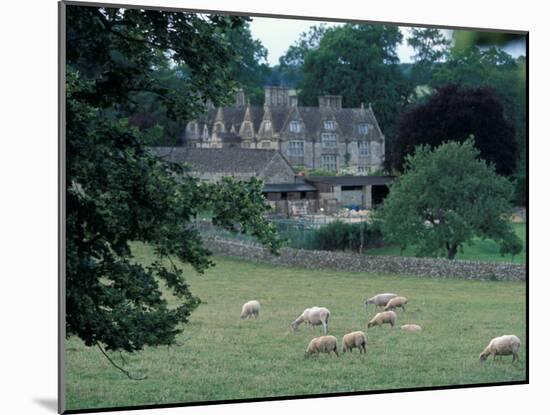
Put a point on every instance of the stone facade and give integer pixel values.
(325, 137)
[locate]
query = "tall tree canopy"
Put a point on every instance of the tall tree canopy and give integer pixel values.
(455, 113)
(470, 65)
(446, 197)
(247, 69)
(117, 192)
(358, 62)
(290, 64)
(250, 70)
(430, 46)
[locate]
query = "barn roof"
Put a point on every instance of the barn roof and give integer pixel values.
(350, 180)
(219, 160)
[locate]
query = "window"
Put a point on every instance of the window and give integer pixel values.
(266, 144)
(330, 125)
(246, 145)
(328, 140)
(363, 128)
(267, 125)
(328, 162)
(363, 148)
(296, 148)
(362, 169)
(295, 127)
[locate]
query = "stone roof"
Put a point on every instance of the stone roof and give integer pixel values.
(350, 180)
(347, 119)
(288, 187)
(220, 160)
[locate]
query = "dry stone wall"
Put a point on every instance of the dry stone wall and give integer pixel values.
(344, 261)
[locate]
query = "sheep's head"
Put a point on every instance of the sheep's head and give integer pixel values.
(294, 325)
(483, 356)
(370, 324)
(367, 302)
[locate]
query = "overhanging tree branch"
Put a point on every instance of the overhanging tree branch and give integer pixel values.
(117, 366)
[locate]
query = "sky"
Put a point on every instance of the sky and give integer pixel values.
(278, 34)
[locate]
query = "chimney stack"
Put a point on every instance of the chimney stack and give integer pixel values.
(276, 96)
(330, 101)
(240, 98)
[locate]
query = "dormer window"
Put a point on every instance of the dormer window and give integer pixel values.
(330, 125)
(295, 127)
(363, 128)
(267, 125)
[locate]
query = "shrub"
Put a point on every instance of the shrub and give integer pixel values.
(340, 236)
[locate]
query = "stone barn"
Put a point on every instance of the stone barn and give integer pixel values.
(362, 192)
(242, 164)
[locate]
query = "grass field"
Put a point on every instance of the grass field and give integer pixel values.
(480, 250)
(223, 357)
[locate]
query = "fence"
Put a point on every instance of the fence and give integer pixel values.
(297, 233)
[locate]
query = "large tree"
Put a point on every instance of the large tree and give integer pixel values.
(455, 113)
(250, 70)
(470, 65)
(430, 46)
(360, 63)
(446, 197)
(290, 64)
(117, 192)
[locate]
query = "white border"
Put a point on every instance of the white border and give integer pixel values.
(29, 208)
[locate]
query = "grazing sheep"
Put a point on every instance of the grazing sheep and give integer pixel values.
(354, 339)
(415, 328)
(383, 317)
(396, 302)
(501, 346)
(322, 344)
(315, 316)
(251, 308)
(380, 300)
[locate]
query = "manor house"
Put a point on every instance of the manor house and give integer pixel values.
(326, 137)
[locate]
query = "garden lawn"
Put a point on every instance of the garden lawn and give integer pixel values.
(480, 250)
(220, 357)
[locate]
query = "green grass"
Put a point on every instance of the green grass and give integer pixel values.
(480, 250)
(223, 357)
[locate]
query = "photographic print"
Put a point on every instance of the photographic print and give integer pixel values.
(278, 207)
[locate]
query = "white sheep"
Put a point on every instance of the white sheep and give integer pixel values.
(315, 316)
(415, 328)
(322, 344)
(383, 317)
(354, 339)
(251, 308)
(501, 346)
(380, 300)
(396, 302)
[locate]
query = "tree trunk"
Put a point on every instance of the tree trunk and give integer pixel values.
(451, 250)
